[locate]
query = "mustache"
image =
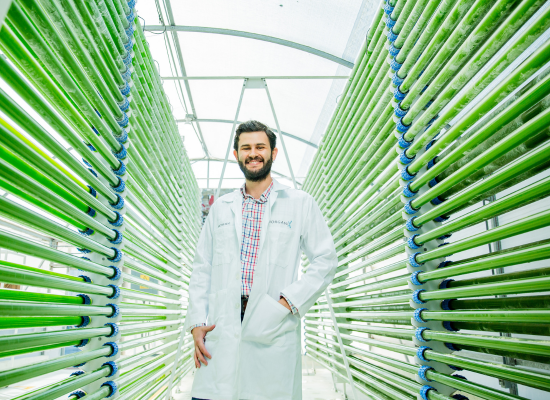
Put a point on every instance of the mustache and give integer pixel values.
(258, 158)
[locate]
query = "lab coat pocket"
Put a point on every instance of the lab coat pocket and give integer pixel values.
(266, 322)
(215, 316)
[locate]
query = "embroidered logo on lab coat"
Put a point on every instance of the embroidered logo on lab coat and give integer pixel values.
(277, 221)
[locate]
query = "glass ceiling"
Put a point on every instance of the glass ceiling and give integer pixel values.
(334, 29)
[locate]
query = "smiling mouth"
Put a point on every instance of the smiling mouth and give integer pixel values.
(253, 163)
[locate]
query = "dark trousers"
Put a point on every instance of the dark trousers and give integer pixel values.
(244, 302)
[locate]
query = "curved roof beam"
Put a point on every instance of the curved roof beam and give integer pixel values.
(230, 121)
(235, 162)
(250, 35)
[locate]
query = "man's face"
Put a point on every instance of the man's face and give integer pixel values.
(255, 156)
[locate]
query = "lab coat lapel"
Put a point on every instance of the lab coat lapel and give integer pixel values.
(237, 207)
(265, 219)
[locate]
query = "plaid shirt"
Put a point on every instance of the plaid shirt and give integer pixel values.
(252, 212)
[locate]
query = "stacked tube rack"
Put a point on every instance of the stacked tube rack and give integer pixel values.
(99, 206)
(433, 176)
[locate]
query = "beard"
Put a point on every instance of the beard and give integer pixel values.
(257, 175)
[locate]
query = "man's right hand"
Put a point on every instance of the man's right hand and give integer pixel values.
(199, 333)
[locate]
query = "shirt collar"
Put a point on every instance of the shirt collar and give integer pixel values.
(264, 196)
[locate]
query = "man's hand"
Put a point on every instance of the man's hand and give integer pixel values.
(284, 303)
(199, 333)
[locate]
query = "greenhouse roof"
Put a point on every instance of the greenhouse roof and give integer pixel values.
(207, 51)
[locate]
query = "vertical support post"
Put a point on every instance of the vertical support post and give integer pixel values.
(230, 140)
(208, 174)
(280, 135)
(342, 351)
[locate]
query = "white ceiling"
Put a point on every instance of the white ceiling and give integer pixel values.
(303, 107)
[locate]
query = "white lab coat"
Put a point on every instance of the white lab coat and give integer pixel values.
(261, 358)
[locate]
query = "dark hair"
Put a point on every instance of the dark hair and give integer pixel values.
(254, 126)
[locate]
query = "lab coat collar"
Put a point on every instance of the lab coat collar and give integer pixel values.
(277, 186)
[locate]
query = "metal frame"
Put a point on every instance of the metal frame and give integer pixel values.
(278, 77)
(229, 121)
(249, 35)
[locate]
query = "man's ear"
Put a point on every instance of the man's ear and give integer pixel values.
(274, 153)
(236, 155)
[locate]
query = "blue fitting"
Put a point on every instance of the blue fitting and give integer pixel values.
(420, 353)
(388, 9)
(430, 144)
(117, 275)
(399, 113)
(127, 61)
(92, 148)
(82, 343)
(390, 23)
(123, 137)
(120, 187)
(77, 373)
(455, 368)
(445, 283)
(87, 259)
(408, 192)
(424, 89)
(92, 172)
(85, 322)
(437, 201)
(130, 17)
(97, 112)
(116, 310)
(448, 325)
(424, 391)
(409, 209)
(86, 278)
(117, 257)
(79, 365)
(404, 159)
(95, 130)
(114, 368)
(394, 65)
(406, 175)
(414, 278)
(418, 315)
(86, 163)
(121, 170)
(443, 237)
(396, 80)
(114, 329)
(413, 262)
(460, 377)
(399, 95)
(121, 155)
(118, 237)
(394, 51)
(87, 232)
(85, 298)
(93, 192)
(433, 182)
(416, 296)
(410, 225)
(401, 127)
(78, 393)
(391, 36)
(125, 89)
(90, 212)
(116, 291)
(432, 162)
(441, 218)
(412, 244)
(123, 121)
(114, 348)
(119, 203)
(125, 105)
(119, 219)
(459, 396)
(82, 250)
(422, 372)
(113, 387)
(446, 304)
(419, 334)
(131, 4)
(403, 143)
(444, 264)
(127, 75)
(130, 30)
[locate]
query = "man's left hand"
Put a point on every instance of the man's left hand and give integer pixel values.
(284, 303)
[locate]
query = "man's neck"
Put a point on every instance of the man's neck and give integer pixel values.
(255, 189)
